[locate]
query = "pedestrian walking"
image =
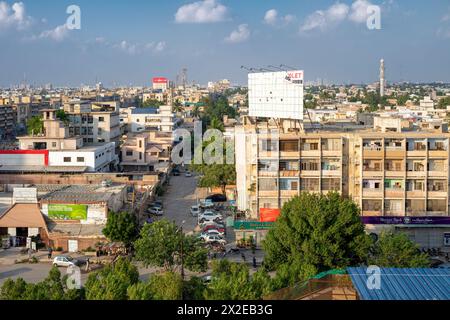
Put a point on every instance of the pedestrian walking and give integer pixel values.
(254, 262)
(243, 257)
(88, 265)
(50, 252)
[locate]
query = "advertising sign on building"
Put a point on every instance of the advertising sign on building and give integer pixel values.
(25, 195)
(67, 211)
(276, 94)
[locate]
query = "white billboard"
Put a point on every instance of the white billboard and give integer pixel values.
(276, 94)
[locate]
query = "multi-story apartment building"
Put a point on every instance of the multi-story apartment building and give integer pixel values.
(145, 119)
(94, 126)
(7, 122)
(398, 179)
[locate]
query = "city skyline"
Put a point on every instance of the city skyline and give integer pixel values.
(121, 44)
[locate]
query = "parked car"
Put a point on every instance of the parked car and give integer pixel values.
(214, 224)
(217, 198)
(176, 172)
(156, 205)
(209, 213)
(204, 235)
(65, 261)
(188, 174)
(156, 211)
(215, 239)
(213, 231)
(195, 211)
(204, 219)
(217, 227)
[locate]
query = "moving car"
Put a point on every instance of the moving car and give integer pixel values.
(217, 198)
(215, 239)
(65, 261)
(156, 211)
(195, 211)
(176, 172)
(188, 174)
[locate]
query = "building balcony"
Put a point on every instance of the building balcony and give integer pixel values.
(438, 174)
(310, 153)
(437, 194)
(268, 194)
(416, 154)
(415, 194)
(394, 193)
(331, 154)
(395, 153)
(290, 154)
(268, 154)
(331, 173)
(394, 174)
(310, 173)
(289, 173)
(438, 154)
(372, 193)
(372, 213)
(415, 174)
(268, 174)
(373, 153)
(288, 193)
(372, 174)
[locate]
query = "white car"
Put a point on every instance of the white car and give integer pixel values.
(210, 216)
(156, 211)
(64, 261)
(215, 239)
(195, 211)
(188, 174)
(211, 232)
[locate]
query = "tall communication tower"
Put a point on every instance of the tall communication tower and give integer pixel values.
(382, 79)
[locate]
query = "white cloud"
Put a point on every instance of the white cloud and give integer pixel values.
(324, 19)
(13, 16)
(58, 34)
(205, 11)
(271, 18)
(139, 48)
(240, 35)
(358, 12)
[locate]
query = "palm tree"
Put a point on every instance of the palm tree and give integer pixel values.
(177, 107)
(196, 112)
(216, 124)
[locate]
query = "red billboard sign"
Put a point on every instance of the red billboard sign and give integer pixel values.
(269, 215)
(160, 80)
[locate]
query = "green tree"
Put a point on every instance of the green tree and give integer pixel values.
(13, 290)
(63, 116)
(160, 245)
(401, 100)
(194, 289)
(232, 281)
(444, 102)
(397, 251)
(35, 125)
(315, 233)
(122, 226)
(196, 112)
(112, 282)
(216, 124)
(151, 103)
(216, 175)
(177, 107)
(166, 286)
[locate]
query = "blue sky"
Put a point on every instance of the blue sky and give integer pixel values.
(129, 42)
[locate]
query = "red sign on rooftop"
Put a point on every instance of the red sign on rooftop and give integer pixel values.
(160, 80)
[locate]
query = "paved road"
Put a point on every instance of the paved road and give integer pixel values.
(178, 199)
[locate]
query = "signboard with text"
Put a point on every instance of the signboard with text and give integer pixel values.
(67, 211)
(407, 220)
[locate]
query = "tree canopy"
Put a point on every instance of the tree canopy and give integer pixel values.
(396, 250)
(160, 244)
(121, 226)
(35, 125)
(315, 233)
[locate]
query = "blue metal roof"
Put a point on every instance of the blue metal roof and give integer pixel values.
(403, 284)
